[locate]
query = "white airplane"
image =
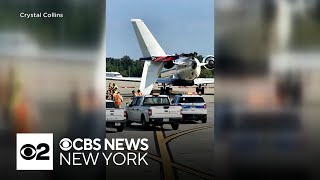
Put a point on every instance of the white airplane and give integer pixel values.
(175, 70)
(113, 74)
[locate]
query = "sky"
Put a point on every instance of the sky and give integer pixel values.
(180, 26)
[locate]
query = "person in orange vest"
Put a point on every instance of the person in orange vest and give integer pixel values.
(117, 99)
(23, 116)
(121, 99)
(21, 111)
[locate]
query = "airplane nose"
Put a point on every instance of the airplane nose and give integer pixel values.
(194, 65)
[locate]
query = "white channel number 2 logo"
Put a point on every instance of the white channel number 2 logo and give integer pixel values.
(34, 151)
(28, 151)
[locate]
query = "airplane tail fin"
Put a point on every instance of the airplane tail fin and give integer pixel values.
(149, 47)
(148, 44)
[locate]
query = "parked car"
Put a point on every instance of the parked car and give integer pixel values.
(115, 117)
(193, 107)
(155, 110)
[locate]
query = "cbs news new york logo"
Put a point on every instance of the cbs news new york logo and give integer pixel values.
(34, 151)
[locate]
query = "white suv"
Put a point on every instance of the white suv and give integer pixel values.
(193, 107)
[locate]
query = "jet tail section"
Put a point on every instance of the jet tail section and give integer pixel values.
(148, 44)
(149, 47)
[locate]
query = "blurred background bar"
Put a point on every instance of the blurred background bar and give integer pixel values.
(51, 78)
(267, 88)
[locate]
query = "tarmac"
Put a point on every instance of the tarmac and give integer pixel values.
(186, 153)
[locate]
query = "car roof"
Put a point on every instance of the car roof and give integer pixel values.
(189, 95)
(155, 96)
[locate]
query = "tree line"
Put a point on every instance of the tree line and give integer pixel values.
(133, 68)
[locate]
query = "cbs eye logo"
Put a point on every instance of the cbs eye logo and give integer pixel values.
(65, 144)
(34, 151)
(29, 152)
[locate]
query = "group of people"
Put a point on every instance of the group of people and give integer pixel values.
(112, 88)
(114, 94)
(138, 93)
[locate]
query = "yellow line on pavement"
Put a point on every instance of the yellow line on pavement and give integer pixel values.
(165, 156)
(149, 155)
(181, 133)
(165, 159)
(176, 165)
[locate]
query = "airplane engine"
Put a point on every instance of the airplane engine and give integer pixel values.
(168, 65)
(210, 60)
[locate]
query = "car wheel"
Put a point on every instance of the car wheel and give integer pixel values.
(204, 119)
(144, 123)
(175, 126)
(128, 123)
(184, 118)
(120, 128)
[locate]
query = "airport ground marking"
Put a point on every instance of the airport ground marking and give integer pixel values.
(176, 165)
(181, 133)
(165, 159)
(182, 167)
(165, 156)
(149, 155)
(167, 162)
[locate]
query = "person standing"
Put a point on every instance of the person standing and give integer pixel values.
(139, 93)
(109, 95)
(115, 91)
(109, 87)
(117, 100)
(114, 86)
(121, 99)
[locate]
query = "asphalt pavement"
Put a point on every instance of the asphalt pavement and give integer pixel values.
(186, 153)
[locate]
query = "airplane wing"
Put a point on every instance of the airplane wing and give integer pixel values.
(196, 81)
(170, 57)
(149, 47)
(131, 79)
(137, 79)
(165, 80)
(162, 80)
(204, 81)
(161, 58)
(180, 63)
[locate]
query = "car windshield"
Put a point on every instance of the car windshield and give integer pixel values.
(152, 101)
(191, 100)
(109, 105)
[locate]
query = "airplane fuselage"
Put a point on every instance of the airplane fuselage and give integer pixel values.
(185, 72)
